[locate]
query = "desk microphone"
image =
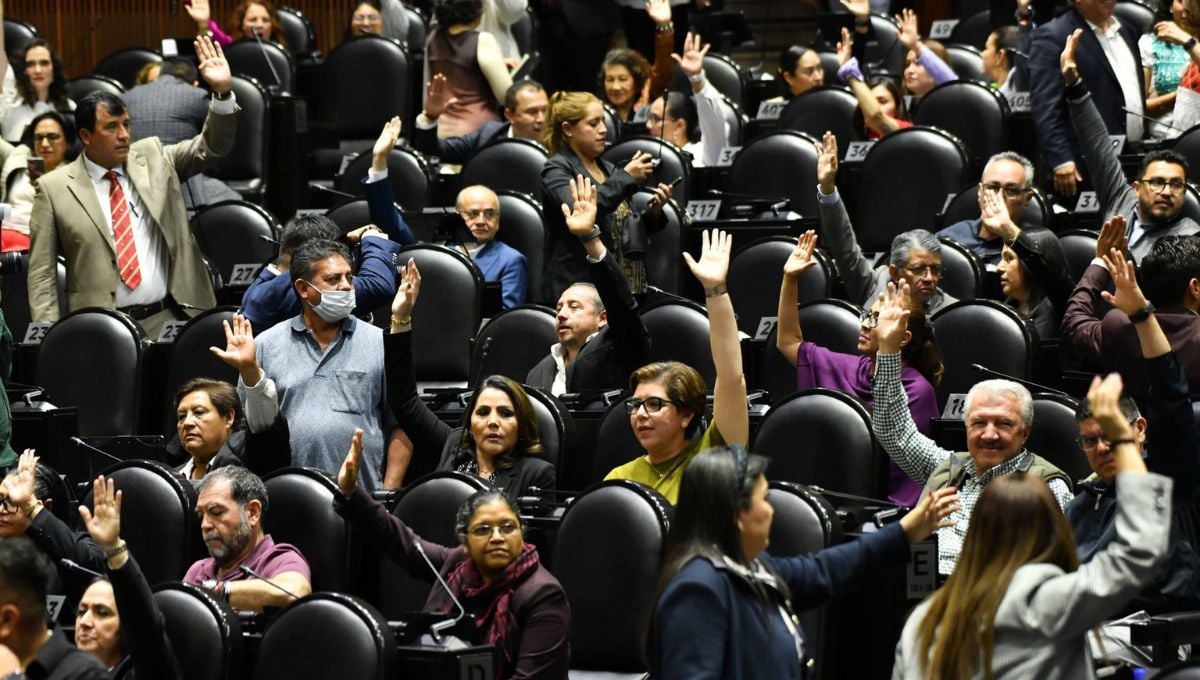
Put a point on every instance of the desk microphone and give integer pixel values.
(1152, 120)
(435, 630)
(254, 574)
(1027, 384)
(82, 444)
(266, 58)
(268, 239)
(75, 566)
(328, 190)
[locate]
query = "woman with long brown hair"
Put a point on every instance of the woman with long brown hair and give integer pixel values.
(1019, 604)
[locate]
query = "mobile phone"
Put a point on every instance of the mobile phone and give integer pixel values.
(36, 166)
(676, 181)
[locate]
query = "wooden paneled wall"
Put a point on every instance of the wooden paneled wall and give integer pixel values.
(67, 24)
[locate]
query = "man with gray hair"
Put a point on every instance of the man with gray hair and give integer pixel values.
(998, 416)
(915, 257)
(246, 566)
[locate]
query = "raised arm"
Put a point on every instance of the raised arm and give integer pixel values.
(851, 74)
(663, 68)
(730, 408)
(910, 37)
(714, 134)
(916, 454)
(1103, 165)
(380, 201)
(220, 127)
(788, 334)
(1081, 318)
(241, 353)
(836, 230)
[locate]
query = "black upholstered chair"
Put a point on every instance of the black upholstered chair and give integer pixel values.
(351, 214)
(885, 53)
(266, 61)
(1079, 248)
(525, 32)
(123, 65)
(301, 37)
(1188, 145)
(612, 125)
(725, 75)
(205, 632)
(328, 636)
(674, 162)
(555, 425)
(448, 313)
(158, 518)
(901, 197)
(756, 272)
(779, 164)
(301, 513)
(408, 173)
(617, 527)
(616, 444)
(965, 206)
(513, 342)
(428, 506)
(190, 357)
(350, 99)
(82, 86)
(682, 331)
(967, 63)
(92, 359)
(244, 168)
(522, 227)
(981, 332)
(973, 30)
(822, 109)
(1055, 432)
(832, 324)
(804, 523)
(418, 28)
(735, 119)
(507, 164)
(973, 112)
(1136, 14)
(17, 33)
(822, 437)
(662, 257)
(234, 236)
(962, 271)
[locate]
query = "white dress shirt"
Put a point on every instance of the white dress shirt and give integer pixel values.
(1124, 65)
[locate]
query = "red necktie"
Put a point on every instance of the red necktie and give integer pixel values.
(127, 259)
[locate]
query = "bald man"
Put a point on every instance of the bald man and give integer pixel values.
(479, 208)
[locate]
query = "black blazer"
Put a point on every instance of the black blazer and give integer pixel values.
(567, 263)
(457, 150)
(259, 452)
(1048, 104)
(428, 433)
(617, 350)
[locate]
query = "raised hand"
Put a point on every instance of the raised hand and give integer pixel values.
(894, 311)
(103, 522)
(692, 61)
(845, 47)
(1066, 60)
(386, 142)
(435, 97)
(861, 9)
(931, 514)
(713, 266)
(659, 11)
(347, 478)
(200, 13)
(239, 348)
(995, 217)
(1104, 397)
(1112, 235)
(213, 66)
(582, 217)
(22, 484)
(909, 36)
(801, 259)
(1128, 297)
(407, 292)
(640, 166)
(827, 163)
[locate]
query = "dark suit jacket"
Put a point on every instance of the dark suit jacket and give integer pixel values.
(1046, 84)
(617, 350)
(568, 258)
(1112, 341)
(149, 653)
(259, 452)
(457, 150)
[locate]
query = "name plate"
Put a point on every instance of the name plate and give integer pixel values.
(35, 333)
(940, 30)
(856, 152)
(955, 406)
(725, 158)
(765, 325)
(1018, 102)
(243, 274)
(770, 110)
(703, 210)
(922, 574)
(1087, 203)
(170, 330)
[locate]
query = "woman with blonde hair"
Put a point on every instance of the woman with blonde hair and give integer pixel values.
(1019, 604)
(575, 135)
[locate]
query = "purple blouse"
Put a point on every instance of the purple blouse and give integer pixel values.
(817, 366)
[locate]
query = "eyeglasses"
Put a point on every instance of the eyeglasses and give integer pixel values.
(47, 137)
(920, 271)
(653, 404)
(1091, 442)
(868, 319)
(1157, 184)
(488, 214)
(487, 530)
(365, 18)
(1010, 190)
(7, 506)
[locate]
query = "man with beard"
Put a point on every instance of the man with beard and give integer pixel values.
(231, 507)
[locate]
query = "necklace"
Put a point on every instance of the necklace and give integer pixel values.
(670, 465)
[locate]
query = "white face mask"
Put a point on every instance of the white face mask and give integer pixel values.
(335, 305)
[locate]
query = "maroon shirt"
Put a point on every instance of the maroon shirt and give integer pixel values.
(268, 559)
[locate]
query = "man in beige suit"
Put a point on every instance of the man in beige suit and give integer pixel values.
(117, 215)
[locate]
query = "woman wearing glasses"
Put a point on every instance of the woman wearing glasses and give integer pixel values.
(817, 366)
(48, 138)
(669, 397)
(519, 607)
